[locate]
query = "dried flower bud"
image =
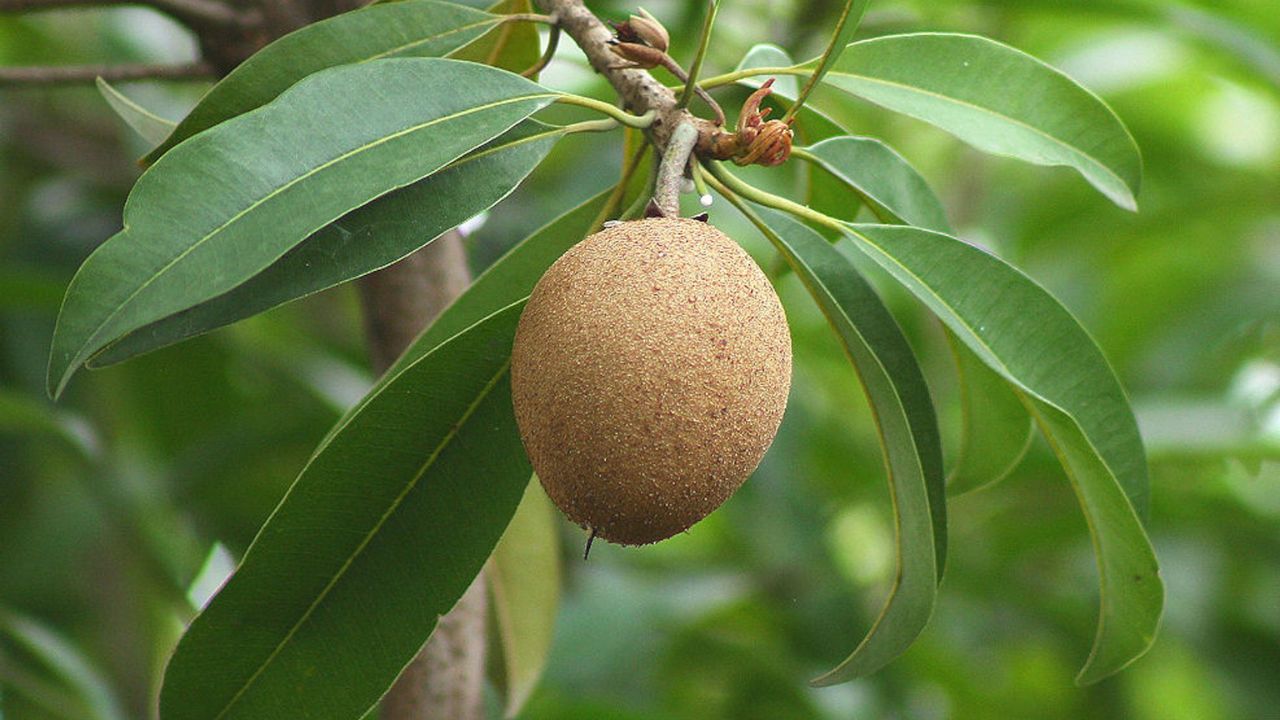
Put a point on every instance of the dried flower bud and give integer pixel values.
(771, 145)
(761, 142)
(650, 30)
(641, 56)
(643, 29)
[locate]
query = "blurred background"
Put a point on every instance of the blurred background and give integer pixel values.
(131, 498)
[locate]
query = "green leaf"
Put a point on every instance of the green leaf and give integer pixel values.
(364, 240)
(149, 126)
(382, 532)
(524, 585)
(883, 179)
(86, 689)
(908, 427)
(841, 36)
(998, 99)
(510, 278)
(232, 201)
(409, 28)
(768, 55)
(997, 428)
(1019, 330)
(511, 46)
(812, 121)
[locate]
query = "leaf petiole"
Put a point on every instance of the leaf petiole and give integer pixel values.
(691, 84)
(723, 180)
(730, 78)
(640, 122)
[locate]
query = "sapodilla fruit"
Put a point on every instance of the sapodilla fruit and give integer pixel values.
(649, 375)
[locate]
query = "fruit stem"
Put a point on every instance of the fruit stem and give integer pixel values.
(666, 194)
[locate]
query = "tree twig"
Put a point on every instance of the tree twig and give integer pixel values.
(639, 90)
(84, 74)
(446, 680)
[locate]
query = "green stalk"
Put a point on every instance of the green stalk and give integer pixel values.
(640, 122)
(692, 82)
(723, 180)
(733, 77)
(620, 190)
(840, 36)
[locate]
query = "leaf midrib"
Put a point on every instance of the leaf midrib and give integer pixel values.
(92, 336)
(899, 571)
(875, 414)
(492, 20)
(1012, 120)
(1105, 599)
(453, 432)
(1008, 374)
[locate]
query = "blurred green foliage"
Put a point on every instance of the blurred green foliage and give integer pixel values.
(111, 501)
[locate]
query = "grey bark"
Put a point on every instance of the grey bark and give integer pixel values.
(446, 680)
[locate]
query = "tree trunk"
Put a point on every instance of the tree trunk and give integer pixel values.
(446, 680)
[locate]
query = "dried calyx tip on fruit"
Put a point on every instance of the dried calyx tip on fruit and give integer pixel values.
(649, 375)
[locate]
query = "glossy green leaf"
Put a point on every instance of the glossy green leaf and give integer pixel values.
(364, 240)
(383, 531)
(409, 28)
(227, 205)
(841, 35)
(961, 83)
(997, 429)
(812, 121)
(883, 179)
(768, 55)
(511, 276)
(508, 280)
(149, 126)
(908, 427)
(1020, 331)
(524, 586)
(511, 46)
(85, 690)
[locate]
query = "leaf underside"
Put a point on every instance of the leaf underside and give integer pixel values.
(1018, 330)
(908, 428)
(961, 83)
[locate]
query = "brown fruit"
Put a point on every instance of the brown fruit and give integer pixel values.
(649, 375)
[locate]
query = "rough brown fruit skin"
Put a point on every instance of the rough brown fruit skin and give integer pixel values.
(649, 375)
